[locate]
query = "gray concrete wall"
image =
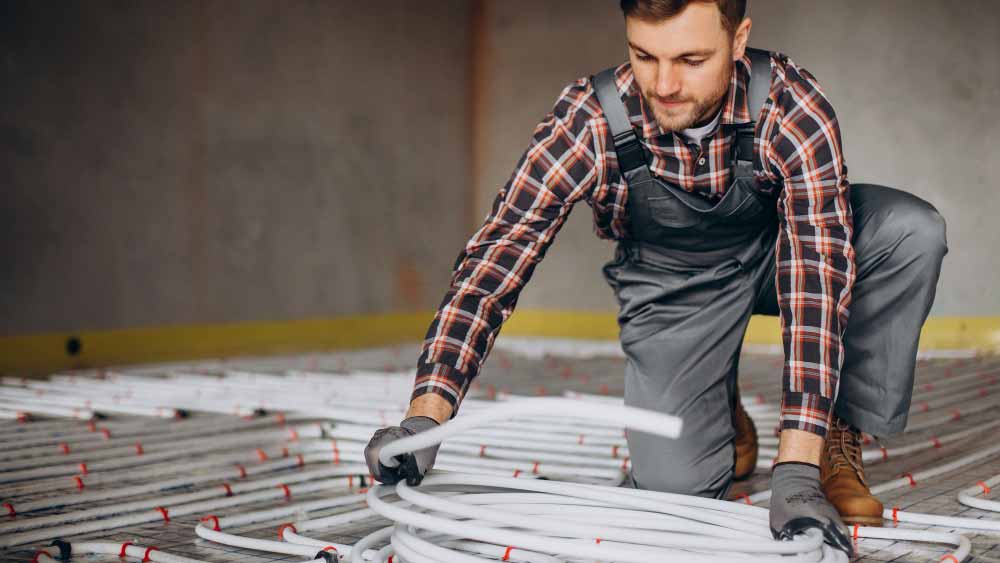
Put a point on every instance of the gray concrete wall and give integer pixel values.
(210, 161)
(915, 85)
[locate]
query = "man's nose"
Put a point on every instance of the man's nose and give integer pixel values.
(668, 81)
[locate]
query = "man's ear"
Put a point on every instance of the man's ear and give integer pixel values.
(740, 38)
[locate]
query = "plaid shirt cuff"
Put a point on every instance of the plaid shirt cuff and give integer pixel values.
(806, 411)
(443, 380)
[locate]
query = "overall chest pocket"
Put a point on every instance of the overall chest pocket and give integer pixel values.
(746, 203)
(668, 211)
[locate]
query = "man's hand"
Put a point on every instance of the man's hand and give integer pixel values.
(412, 466)
(797, 504)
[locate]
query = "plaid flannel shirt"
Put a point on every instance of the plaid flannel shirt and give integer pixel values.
(571, 158)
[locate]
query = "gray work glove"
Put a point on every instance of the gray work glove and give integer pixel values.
(412, 466)
(798, 503)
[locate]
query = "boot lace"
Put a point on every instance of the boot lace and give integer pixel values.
(844, 449)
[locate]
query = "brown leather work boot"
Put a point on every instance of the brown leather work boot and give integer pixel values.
(745, 442)
(842, 477)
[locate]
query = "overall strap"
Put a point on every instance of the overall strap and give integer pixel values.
(760, 87)
(631, 155)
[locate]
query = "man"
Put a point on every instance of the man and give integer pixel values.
(730, 198)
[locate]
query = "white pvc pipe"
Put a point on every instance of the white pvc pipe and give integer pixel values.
(138, 552)
(634, 418)
(968, 496)
(148, 516)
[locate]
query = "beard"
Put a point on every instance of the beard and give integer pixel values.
(692, 110)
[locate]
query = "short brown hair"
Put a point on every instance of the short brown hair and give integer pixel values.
(732, 11)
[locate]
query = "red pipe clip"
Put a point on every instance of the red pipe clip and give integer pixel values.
(283, 527)
(163, 511)
(214, 519)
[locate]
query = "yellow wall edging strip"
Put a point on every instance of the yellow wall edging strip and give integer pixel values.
(46, 353)
(939, 333)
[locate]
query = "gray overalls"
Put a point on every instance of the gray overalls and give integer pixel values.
(692, 272)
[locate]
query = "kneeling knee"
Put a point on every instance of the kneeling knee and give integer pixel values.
(709, 482)
(921, 228)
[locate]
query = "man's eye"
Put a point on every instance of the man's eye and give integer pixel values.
(690, 62)
(643, 57)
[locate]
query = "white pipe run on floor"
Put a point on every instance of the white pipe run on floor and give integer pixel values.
(560, 512)
(968, 496)
(122, 550)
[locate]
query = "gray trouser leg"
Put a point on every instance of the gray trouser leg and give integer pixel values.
(899, 243)
(682, 333)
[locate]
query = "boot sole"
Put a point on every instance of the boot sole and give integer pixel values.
(873, 521)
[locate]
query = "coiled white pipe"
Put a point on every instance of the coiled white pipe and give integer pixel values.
(607, 541)
(634, 418)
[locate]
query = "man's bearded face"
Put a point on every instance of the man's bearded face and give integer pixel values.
(683, 65)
